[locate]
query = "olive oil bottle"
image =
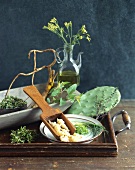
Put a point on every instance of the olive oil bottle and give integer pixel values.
(68, 67)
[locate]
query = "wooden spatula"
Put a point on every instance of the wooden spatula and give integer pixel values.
(49, 113)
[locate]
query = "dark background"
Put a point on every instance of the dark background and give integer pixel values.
(109, 59)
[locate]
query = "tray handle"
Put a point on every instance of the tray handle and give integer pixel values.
(126, 120)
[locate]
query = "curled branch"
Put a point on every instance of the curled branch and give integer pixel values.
(51, 72)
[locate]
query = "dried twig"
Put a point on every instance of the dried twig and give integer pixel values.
(51, 72)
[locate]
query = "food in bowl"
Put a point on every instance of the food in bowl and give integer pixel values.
(61, 128)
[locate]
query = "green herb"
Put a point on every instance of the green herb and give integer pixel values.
(61, 93)
(66, 34)
(95, 128)
(11, 102)
(82, 128)
(23, 135)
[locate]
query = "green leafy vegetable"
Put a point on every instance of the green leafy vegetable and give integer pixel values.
(61, 93)
(11, 102)
(23, 135)
(71, 89)
(62, 102)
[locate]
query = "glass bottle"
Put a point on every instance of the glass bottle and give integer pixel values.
(69, 68)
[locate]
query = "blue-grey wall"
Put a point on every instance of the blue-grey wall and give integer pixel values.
(109, 59)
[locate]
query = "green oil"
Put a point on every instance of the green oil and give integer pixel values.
(69, 76)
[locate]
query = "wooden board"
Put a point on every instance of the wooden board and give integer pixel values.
(104, 145)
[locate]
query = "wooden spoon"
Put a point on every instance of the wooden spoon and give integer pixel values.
(49, 113)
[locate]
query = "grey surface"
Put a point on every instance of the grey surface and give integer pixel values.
(28, 115)
(109, 59)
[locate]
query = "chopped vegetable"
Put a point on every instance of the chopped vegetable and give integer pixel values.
(81, 129)
(84, 127)
(11, 102)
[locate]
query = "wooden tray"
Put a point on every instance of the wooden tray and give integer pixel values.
(104, 145)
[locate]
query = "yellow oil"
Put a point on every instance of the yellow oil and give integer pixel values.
(69, 76)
